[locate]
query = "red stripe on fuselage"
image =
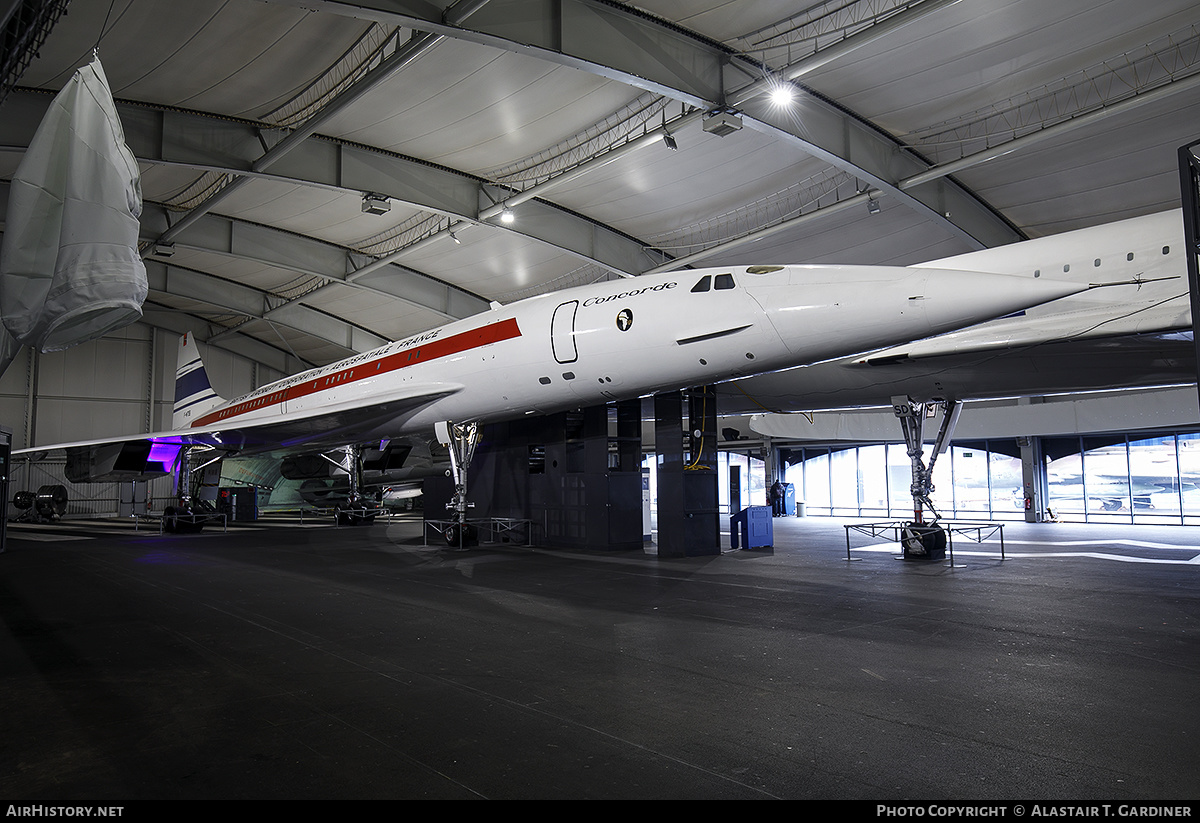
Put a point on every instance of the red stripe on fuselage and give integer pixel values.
(433, 350)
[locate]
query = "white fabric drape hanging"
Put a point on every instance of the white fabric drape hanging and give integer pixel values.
(69, 267)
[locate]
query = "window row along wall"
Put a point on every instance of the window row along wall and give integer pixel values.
(1122, 478)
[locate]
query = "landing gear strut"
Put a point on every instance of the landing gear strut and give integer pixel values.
(187, 516)
(921, 540)
(461, 439)
(358, 510)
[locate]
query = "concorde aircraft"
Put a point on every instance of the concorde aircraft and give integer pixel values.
(563, 350)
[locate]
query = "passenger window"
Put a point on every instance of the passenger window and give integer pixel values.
(1166, 249)
(703, 285)
(724, 281)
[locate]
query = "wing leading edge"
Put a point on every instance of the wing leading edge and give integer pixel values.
(154, 454)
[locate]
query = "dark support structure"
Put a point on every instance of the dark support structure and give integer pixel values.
(5, 470)
(576, 476)
(1189, 181)
(688, 514)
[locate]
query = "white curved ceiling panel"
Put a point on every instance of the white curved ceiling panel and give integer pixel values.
(441, 130)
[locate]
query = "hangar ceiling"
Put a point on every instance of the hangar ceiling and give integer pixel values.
(915, 130)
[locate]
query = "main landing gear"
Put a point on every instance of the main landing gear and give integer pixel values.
(921, 540)
(357, 510)
(189, 515)
(461, 439)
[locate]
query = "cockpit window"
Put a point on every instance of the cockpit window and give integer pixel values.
(703, 284)
(724, 281)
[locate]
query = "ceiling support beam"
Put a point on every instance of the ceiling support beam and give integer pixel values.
(229, 238)
(208, 143)
(216, 234)
(785, 225)
(416, 46)
(226, 296)
(1050, 132)
(851, 146)
(836, 51)
(621, 43)
(597, 37)
(253, 350)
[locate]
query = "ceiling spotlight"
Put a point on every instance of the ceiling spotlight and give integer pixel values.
(669, 139)
(782, 94)
(376, 204)
(872, 206)
(507, 216)
(164, 249)
(454, 237)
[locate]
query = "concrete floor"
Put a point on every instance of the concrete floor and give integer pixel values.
(314, 662)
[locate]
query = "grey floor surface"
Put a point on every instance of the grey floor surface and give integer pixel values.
(292, 661)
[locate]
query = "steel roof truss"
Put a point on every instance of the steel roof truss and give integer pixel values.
(226, 236)
(629, 46)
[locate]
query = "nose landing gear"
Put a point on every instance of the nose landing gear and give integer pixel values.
(461, 439)
(921, 540)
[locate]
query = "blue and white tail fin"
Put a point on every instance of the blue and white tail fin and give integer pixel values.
(194, 395)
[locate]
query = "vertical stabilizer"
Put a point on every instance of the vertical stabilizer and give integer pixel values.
(194, 395)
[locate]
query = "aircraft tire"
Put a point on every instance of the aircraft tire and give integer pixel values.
(468, 535)
(352, 519)
(173, 524)
(924, 542)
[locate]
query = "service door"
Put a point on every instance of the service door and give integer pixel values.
(562, 332)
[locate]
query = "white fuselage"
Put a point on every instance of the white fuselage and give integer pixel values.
(627, 338)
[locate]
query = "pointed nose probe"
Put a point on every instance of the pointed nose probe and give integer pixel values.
(953, 298)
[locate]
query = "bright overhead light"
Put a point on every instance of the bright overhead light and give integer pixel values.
(782, 94)
(507, 216)
(454, 237)
(669, 139)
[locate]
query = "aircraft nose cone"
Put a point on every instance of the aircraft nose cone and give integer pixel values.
(953, 298)
(834, 311)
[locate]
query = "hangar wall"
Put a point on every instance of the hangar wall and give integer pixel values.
(122, 384)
